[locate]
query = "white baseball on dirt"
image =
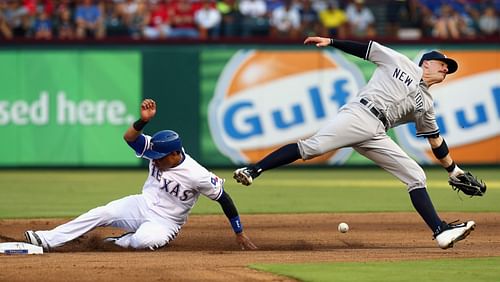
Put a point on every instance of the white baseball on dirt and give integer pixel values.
(343, 227)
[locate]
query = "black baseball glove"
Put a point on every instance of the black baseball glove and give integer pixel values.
(468, 184)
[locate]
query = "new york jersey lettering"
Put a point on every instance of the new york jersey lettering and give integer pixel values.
(402, 76)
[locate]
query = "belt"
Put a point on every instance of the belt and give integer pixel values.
(375, 111)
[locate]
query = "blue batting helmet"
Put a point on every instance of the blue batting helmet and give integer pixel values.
(163, 143)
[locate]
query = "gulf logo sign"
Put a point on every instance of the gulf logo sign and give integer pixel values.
(266, 99)
(467, 107)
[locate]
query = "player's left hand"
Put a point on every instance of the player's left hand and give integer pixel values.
(468, 184)
(455, 173)
(245, 242)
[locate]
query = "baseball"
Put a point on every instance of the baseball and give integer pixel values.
(343, 227)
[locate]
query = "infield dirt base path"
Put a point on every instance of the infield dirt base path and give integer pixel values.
(205, 250)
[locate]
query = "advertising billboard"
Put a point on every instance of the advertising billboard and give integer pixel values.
(67, 107)
(258, 100)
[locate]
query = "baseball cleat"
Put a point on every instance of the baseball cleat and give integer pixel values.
(34, 239)
(244, 175)
(452, 233)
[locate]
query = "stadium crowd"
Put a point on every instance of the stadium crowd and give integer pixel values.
(277, 19)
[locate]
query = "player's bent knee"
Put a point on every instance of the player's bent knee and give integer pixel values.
(310, 149)
(418, 181)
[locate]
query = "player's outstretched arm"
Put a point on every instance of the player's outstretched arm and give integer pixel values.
(148, 111)
(358, 49)
(232, 214)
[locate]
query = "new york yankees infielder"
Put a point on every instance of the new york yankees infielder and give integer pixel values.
(397, 93)
(155, 217)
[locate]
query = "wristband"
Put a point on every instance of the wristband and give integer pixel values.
(451, 167)
(236, 224)
(139, 124)
(441, 151)
(331, 42)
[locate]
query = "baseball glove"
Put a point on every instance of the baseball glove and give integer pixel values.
(468, 184)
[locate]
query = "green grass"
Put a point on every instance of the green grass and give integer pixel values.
(445, 270)
(66, 193)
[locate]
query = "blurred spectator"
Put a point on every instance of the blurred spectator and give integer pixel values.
(18, 18)
(89, 20)
(64, 5)
(136, 22)
(433, 5)
(30, 6)
(447, 23)
(230, 24)
(309, 20)
(488, 21)
(361, 20)
(128, 7)
(425, 20)
(320, 5)
(114, 23)
(65, 27)
(255, 21)
(5, 32)
(42, 26)
(203, 19)
(285, 21)
(271, 5)
(47, 6)
(183, 24)
(401, 14)
(208, 19)
(334, 20)
(158, 20)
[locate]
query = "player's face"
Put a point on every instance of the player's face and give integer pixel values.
(169, 161)
(437, 70)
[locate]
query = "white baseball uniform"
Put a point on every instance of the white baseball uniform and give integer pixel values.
(154, 217)
(395, 92)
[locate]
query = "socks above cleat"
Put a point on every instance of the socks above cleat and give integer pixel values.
(282, 156)
(423, 204)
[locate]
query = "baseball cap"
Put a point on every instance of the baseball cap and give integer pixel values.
(435, 55)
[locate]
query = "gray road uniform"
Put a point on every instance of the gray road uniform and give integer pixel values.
(394, 95)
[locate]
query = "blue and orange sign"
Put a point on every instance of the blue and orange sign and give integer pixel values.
(266, 99)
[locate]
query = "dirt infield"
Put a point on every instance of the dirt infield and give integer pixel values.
(206, 251)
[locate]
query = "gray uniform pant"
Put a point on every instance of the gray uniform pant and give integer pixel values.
(355, 126)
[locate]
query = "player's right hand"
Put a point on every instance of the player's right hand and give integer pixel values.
(244, 242)
(148, 109)
(319, 41)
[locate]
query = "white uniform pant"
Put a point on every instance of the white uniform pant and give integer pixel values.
(131, 213)
(355, 126)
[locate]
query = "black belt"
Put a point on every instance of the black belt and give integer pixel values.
(375, 111)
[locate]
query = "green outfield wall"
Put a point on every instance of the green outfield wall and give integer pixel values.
(232, 104)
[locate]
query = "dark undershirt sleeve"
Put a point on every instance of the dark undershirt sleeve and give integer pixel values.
(357, 49)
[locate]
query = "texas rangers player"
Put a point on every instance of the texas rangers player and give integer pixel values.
(155, 217)
(397, 93)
